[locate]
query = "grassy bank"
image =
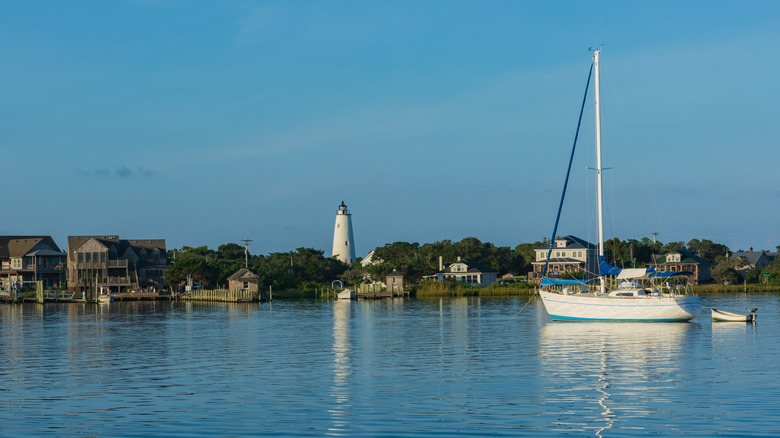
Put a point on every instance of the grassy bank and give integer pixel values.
(736, 288)
(431, 289)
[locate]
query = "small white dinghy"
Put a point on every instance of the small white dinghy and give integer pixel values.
(724, 316)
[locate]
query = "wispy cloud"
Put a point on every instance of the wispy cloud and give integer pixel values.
(119, 172)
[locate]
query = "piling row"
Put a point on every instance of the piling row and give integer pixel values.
(224, 295)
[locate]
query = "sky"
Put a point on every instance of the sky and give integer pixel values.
(204, 123)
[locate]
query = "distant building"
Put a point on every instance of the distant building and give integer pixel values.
(753, 259)
(368, 260)
(25, 260)
(569, 254)
(244, 279)
(468, 271)
(395, 283)
(684, 261)
(343, 240)
(107, 262)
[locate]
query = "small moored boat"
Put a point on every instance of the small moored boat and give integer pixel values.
(725, 316)
(347, 294)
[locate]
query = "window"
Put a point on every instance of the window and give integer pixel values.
(88, 257)
(95, 257)
(80, 257)
(102, 257)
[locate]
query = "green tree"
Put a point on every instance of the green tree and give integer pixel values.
(707, 249)
(526, 253)
(198, 267)
(725, 270)
(674, 246)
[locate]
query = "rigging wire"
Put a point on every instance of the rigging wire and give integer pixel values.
(568, 172)
(633, 160)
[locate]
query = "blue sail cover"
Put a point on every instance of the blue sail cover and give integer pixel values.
(561, 282)
(669, 274)
(606, 269)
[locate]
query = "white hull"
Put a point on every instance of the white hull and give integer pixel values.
(588, 307)
(105, 298)
(346, 294)
(724, 316)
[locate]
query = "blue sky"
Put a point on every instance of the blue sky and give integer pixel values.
(207, 122)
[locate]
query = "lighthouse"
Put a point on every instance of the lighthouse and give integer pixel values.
(343, 241)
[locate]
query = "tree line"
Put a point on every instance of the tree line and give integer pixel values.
(307, 268)
(304, 268)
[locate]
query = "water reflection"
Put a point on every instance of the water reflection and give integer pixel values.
(610, 373)
(341, 349)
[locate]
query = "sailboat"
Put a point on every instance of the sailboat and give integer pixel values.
(640, 294)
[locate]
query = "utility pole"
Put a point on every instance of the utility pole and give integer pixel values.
(246, 252)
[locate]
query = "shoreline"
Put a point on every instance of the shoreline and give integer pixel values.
(711, 289)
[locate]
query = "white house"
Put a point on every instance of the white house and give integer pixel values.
(468, 271)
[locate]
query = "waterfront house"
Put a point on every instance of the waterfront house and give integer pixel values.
(115, 264)
(244, 279)
(468, 271)
(569, 255)
(25, 260)
(751, 260)
(684, 261)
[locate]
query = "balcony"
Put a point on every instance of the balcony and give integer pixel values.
(102, 265)
(116, 281)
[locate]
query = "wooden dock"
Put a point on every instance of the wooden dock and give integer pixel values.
(371, 295)
(223, 295)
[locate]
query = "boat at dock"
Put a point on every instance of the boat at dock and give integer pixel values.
(347, 294)
(636, 294)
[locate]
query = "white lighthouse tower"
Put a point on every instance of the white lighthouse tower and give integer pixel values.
(343, 241)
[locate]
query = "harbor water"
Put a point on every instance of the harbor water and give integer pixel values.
(387, 368)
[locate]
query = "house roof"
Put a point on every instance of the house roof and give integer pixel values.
(572, 242)
(243, 272)
(19, 246)
(471, 266)
(685, 258)
(134, 245)
(751, 257)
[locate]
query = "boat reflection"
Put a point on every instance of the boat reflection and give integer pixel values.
(342, 369)
(728, 336)
(611, 372)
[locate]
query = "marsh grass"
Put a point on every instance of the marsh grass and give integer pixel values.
(432, 288)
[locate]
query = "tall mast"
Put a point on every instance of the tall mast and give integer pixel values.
(599, 194)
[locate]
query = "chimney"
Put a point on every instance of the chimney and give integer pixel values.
(751, 249)
(458, 258)
(441, 267)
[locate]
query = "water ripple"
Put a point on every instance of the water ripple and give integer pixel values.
(403, 368)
